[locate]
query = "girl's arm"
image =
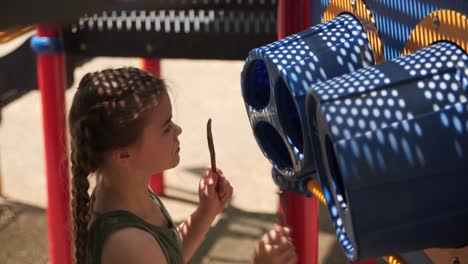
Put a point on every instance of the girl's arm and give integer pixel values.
(192, 232)
(213, 197)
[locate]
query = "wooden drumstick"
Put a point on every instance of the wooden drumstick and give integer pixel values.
(211, 146)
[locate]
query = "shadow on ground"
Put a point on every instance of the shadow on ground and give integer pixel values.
(233, 238)
(23, 234)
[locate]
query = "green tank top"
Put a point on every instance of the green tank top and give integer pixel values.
(106, 223)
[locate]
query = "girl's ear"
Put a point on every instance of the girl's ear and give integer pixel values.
(121, 157)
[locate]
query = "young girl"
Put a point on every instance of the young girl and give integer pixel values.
(122, 132)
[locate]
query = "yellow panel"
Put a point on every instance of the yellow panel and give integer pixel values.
(11, 34)
(359, 9)
(394, 260)
(440, 25)
(314, 187)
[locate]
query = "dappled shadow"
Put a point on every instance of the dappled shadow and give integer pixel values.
(335, 254)
(23, 233)
(232, 239)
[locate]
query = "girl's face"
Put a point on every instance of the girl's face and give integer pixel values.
(159, 147)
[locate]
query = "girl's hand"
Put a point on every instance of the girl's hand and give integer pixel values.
(275, 247)
(214, 192)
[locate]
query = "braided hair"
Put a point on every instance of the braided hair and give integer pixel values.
(108, 112)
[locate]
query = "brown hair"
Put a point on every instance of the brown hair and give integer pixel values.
(108, 112)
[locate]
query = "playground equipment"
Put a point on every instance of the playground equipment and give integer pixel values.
(291, 66)
(25, 12)
(383, 26)
(11, 34)
(404, 134)
(51, 78)
(296, 210)
(363, 129)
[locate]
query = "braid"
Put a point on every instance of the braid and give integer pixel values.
(80, 203)
(80, 196)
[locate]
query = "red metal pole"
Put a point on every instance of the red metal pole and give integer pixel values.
(293, 17)
(157, 181)
(52, 84)
(301, 213)
(152, 65)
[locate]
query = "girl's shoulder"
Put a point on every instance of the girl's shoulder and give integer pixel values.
(122, 236)
(131, 245)
(120, 225)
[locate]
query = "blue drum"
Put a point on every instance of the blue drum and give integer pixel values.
(277, 77)
(391, 144)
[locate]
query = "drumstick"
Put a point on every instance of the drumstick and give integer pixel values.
(212, 152)
(211, 146)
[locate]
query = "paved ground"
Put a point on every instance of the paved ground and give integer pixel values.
(201, 90)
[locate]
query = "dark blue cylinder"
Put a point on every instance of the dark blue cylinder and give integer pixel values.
(391, 143)
(277, 77)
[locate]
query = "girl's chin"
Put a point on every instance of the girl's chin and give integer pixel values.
(177, 161)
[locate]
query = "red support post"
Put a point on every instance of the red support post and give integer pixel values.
(52, 84)
(301, 213)
(152, 65)
(293, 17)
(157, 181)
